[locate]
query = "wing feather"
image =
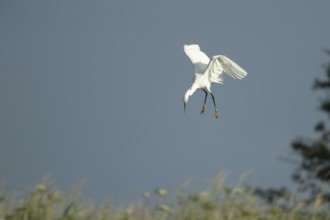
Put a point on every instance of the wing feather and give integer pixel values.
(199, 59)
(220, 64)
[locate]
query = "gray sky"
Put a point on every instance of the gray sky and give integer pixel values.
(93, 90)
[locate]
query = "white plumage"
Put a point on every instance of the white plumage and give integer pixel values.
(209, 71)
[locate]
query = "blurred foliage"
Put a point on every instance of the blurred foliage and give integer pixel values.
(217, 201)
(312, 172)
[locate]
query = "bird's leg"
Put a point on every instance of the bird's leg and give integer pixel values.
(217, 113)
(204, 107)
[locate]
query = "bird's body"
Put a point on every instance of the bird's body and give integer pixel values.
(209, 71)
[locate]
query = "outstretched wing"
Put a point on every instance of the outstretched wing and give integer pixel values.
(220, 64)
(199, 59)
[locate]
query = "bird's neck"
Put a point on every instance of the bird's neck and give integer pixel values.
(192, 89)
(189, 92)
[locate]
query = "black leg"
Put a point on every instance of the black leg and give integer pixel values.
(217, 114)
(204, 107)
(215, 106)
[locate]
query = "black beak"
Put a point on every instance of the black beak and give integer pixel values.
(184, 107)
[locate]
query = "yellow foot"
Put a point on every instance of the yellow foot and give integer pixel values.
(217, 113)
(203, 110)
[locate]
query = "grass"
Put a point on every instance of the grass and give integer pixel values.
(216, 201)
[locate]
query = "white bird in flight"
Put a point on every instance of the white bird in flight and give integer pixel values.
(209, 71)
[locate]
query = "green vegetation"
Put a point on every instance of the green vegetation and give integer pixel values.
(312, 172)
(217, 201)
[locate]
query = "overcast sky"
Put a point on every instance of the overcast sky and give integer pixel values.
(93, 90)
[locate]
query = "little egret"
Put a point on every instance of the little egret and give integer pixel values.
(209, 71)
